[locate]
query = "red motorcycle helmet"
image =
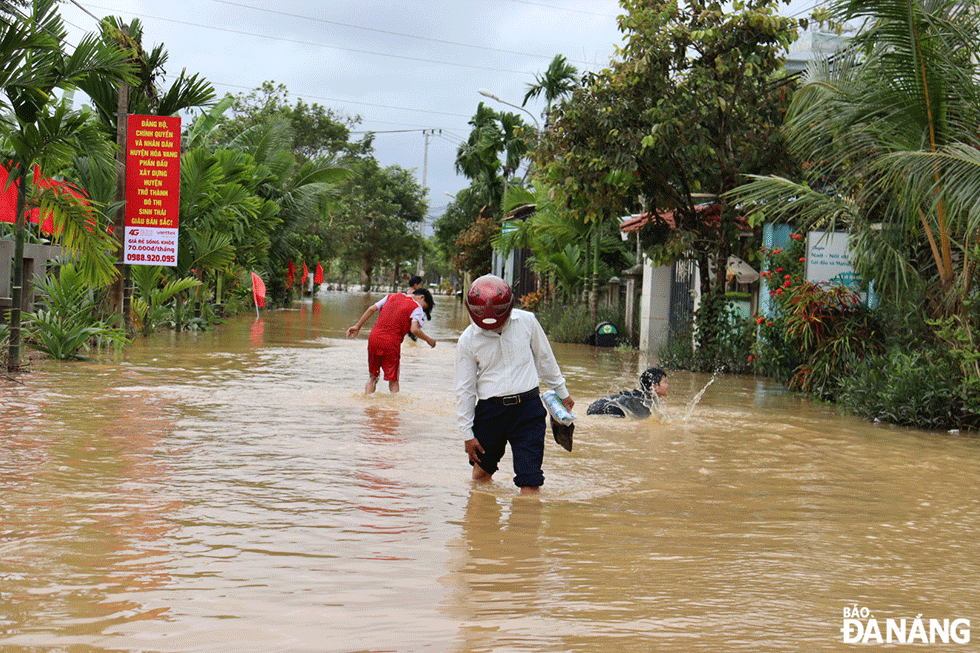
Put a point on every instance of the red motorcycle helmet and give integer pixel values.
(489, 302)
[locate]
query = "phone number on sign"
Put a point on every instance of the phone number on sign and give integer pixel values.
(152, 258)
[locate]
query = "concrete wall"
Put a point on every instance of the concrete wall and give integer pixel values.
(36, 259)
(654, 306)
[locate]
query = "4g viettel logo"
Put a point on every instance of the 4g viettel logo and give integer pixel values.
(861, 627)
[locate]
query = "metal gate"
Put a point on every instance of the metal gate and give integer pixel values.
(682, 279)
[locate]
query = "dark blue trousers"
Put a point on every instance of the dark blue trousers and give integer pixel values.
(523, 426)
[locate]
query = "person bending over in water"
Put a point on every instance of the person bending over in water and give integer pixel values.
(401, 314)
(634, 403)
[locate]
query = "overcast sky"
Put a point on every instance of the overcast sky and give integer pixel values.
(403, 66)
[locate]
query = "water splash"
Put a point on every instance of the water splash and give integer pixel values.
(697, 398)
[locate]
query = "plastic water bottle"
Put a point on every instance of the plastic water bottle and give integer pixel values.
(556, 408)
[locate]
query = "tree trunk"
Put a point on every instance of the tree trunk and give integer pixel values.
(594, 292)
(368, 272)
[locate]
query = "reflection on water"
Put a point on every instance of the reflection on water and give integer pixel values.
(235, 491)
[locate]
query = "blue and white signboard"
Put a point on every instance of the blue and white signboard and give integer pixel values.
(828, 259)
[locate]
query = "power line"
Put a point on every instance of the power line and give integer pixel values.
(86, 11)
(321, 45)
(389, 32)
(346, 101)
(559, 8)
(804, 10)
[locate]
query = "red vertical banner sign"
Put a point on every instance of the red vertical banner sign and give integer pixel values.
(152, 190)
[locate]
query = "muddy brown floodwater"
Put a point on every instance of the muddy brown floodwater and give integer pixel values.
(233, 491)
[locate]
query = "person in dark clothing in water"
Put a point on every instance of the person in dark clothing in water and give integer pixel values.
(633, 403)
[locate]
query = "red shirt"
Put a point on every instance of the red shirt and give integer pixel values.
(394, 321)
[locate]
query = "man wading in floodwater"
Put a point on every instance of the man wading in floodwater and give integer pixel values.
(498, 360)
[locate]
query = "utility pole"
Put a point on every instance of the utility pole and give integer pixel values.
(121, 292)
(427, 134)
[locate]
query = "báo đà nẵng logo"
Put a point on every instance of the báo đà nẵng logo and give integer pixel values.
(861, 627)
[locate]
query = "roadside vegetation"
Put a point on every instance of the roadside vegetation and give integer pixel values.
(694, 124)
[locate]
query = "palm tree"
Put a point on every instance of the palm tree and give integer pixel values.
(33, 64)
(144, 98)
(306, 192)
(515, 144)
(559, 79)
(221, 217)
(478, 159)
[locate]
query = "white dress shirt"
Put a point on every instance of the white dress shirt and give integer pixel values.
(489, 364)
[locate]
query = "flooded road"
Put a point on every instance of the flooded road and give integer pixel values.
(234, 491)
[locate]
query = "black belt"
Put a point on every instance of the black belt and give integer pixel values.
(513, 400)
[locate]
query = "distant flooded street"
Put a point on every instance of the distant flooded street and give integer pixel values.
(234, 491)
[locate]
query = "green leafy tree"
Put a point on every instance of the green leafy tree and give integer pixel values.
(316, 131)
(560, 245)
(890, 132)
(307, 193)
(581, 160)
(686, 108)
(299, 154)
(380, 205)
(459, 215)
(145, 97)
(222, 218)
(154, 289)
(473, 246)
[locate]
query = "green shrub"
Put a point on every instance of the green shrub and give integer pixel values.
(719, 340)
(565, 322)
(678, 352)
(4, 337)
(154, 299)
(724, 338)
(68, 322)
(923, 389)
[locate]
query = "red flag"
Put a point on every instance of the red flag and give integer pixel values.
(318, 275)
(8, 199)
(306, 273)
(258, 291)
(290, 275)
(63, 188)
